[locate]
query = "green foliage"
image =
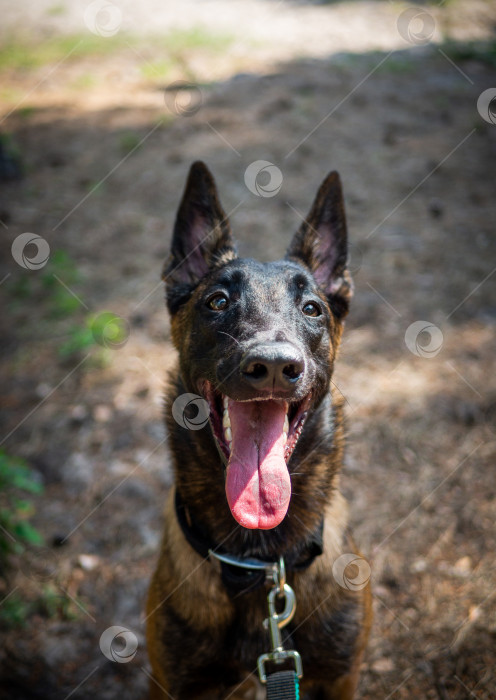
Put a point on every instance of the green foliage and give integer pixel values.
(60, 264)
(399, 65)
(14, 473)
(59, 271)
(157, 70)
(26, 112)
(172, 52)
(15, 530)
(109, 330)
(63, 302)
(105, 329)
(128, 141)
(51, 603)
(14, 611)
(481, 51)
(28, 53)
(180, 40)
(79, 338)
(17, 535)
(78, 330)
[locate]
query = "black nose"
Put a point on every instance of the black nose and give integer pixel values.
(275, 366)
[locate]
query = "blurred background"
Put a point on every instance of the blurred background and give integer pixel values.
(104, 105)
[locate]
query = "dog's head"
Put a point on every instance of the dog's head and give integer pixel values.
(257, 340)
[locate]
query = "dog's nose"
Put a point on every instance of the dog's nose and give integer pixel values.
(273, 366)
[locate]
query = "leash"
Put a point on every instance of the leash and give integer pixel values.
(280, 684)
(241, 575)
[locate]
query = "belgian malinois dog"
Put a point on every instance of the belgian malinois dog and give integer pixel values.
(259, 481)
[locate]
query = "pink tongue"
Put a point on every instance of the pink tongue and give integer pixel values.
(258, 486)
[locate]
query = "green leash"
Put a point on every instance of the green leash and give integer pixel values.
(281, 685)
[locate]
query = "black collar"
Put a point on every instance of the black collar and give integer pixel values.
(237, 578)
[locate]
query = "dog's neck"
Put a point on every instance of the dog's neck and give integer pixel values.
(243, 574)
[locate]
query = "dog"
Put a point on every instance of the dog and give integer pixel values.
(259, 478)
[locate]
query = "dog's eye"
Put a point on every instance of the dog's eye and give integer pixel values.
(311, 309)
(217, 302)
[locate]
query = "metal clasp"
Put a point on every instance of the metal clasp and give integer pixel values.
(276, 621)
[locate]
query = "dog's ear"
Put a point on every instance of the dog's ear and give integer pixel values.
(321, 244)
(201, 238)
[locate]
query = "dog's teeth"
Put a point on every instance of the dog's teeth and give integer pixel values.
(225, 401)
(285, 435)
(226, 421)
(228, 434)
(286, 425)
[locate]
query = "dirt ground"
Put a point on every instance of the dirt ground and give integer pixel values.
(103, 141)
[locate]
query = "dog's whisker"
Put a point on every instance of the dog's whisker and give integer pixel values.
(315, 492)
(230, 336)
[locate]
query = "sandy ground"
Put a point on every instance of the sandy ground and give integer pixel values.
(105, 145)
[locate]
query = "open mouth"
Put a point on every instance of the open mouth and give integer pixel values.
(256, 440)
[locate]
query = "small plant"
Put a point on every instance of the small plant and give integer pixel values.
(106, 330)
(60, 264)
(53, 286)
(16, 532)
(16, 478)
(60, 271)
(14, 611)
(80, 338)
(63, 314)
(129, 141)
(53, 603)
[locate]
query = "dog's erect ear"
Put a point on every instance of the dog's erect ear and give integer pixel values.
(201, 238)
(321, 244)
